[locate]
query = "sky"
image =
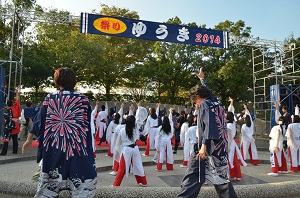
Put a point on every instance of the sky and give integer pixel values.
(269, 19)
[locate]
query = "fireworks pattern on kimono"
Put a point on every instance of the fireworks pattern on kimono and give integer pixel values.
(67, 124)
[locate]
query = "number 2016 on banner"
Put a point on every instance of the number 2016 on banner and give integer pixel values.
(205, 38)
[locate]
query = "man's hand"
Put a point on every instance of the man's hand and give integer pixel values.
(200, 75)
(202, 152)
(26, 144)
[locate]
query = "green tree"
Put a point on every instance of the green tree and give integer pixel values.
(229, 71)
(119, 54)
(37, 70)
(171, 65)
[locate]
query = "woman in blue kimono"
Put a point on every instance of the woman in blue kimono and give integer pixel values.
(65, 141)
(209, 162)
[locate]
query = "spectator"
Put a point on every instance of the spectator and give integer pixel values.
(65, 143)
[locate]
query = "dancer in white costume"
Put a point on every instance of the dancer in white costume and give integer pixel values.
(93, 129)
(163, 144)
(191, 135)
(277, 158)
(183, 131)
(293, 141)
(232, 146)
(150, 129)
(117, 150)
(248, 142)
(234, 153)
(130, 156)
(111, 128)
(101, 121)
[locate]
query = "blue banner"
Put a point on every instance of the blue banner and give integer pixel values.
(131, 28)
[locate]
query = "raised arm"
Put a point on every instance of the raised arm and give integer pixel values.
(200, 75)
(231, 107)
(121, 111)
(94, 112)
(157, 109)
(106, 108)
(277, 113)
(296, 109)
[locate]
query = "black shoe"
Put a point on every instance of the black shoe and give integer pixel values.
(2, 154)
(174, 152)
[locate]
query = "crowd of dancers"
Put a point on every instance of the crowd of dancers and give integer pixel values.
(159, 129)
(67, 128)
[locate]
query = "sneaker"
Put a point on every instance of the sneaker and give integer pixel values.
(144, 185)
(113, 173)
(273, 174)
(182, 166)
(238, 179)
(158, 170)
(155, 161)
(145, 155)
(174, 152)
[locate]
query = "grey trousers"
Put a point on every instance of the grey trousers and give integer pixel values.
(190, 185)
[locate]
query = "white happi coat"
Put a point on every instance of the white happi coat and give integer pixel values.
(150, 129)
(276, 141)
(293, 136)
(276, 138)
(132, 156)
(140, 116)
(111, 129)
(191, 138)
(110, 137)
(293, 142)
(117, 149)
(247, 141)
(183, 130)
(163, 144)
(232, 146)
